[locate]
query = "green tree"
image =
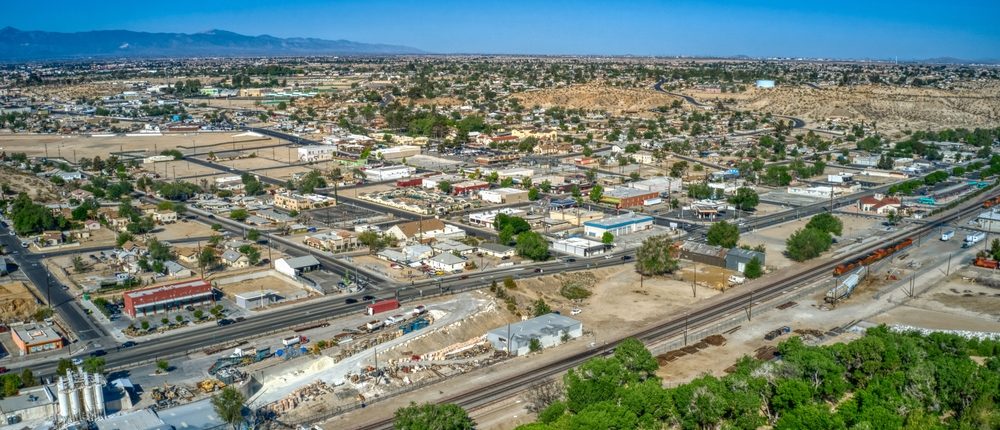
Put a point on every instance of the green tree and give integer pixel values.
(607, 238)
(228, 405)
(27, 378)
(429, 416)
(532, 245)
(826, 222)
(93, 364)
(807, 243)
(509, 283)
(252, 253)
(723, 234)
(753, 269)
(596, 193)
(63, 365)
(253, 235)
(163, 365)
(78, 265)
(445, 187)
(533, 194)
(540, 308)
(239, 214)
(809, 416)
(207, 258)
(656, 256)
(534, 345)
(745, 199)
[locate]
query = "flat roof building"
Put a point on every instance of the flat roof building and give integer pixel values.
(628, 197)
(162, 298)
(32, 338)
(504, 195)
(549, 329)
(620, 225)
(579, 246)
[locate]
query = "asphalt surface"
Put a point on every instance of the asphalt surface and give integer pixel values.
(46, 286)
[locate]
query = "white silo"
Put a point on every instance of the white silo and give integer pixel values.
(62, 393)
(99, 394)
(74, 396)
(88, 396)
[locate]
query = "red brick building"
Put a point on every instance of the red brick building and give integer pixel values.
(163, 298)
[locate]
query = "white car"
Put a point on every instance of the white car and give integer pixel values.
(77, 361)
(575, 311)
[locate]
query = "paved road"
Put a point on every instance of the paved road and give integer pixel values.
(658, 86)
(46, 286)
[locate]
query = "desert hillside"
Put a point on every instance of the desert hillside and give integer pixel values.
(596, 96)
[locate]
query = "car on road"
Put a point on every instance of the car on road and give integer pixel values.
(189, 308)
(77, 361)
(607, 257)
(129, 344)
(24, 244)
(350, 300)
(98, 353)
(626, 257)
(538, 270)
(571, 260)
(367, 298)
(224, 322)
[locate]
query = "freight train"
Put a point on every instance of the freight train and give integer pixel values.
(991, 202)
(876, 255)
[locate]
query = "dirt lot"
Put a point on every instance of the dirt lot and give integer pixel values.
(977, 105)
(182, 230)
(280, 286)
(16, 302)
(40, 190)
(596, 96)
(774, 238)
(958, 303)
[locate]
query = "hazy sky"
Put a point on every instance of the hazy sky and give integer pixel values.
(831, 29)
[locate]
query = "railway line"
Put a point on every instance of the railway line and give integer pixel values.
(473, 399)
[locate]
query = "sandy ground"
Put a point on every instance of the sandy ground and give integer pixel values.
(16, 301)
(74, 147)
(40, 190)
(280, 286)
(774, 237)
(596, 96)
(182, 230)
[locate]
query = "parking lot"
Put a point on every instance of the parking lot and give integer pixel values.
(346, 216)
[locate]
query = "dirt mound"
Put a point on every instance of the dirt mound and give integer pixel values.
(596, 96)
(16, 302)
(891, 107)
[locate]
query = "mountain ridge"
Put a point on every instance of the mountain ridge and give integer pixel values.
(20, 45)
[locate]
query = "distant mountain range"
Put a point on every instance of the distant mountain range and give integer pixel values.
(18, 45)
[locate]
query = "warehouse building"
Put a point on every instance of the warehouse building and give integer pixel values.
(293, 267)
(388, 173)
(738, 258)
(162, 298)
(549, 329)
(504, 195)
(579, 246)
(618, 225)
(628, 197)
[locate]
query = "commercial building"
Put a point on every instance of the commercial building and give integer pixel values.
(397, 152)
(293, 267)
(579, 246)
(388, 173)
(659, 184)
(424, 230)
(504, 195)
(301, 202)
(469, 187)
(162, 298)
(231, 183)
(549, 329)
(317, 152)
(32, 338)
(879, 204)
(256, 299)
(575, 216)
(628, 197)
(29, 405)
(620, 225)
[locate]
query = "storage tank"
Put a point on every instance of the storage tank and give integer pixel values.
(62, 393)
(74, 396)
(99, 394)
(88, 395)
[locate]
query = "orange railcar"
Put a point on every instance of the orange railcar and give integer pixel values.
(874, 256)
(986, 262)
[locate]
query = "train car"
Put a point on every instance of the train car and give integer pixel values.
(873, 257)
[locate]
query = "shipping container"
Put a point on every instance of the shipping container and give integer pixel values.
(383, 306)
(947, 235)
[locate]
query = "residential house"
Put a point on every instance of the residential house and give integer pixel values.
(447, 262)
(81, 194)
(424, 230)
(496, 250)
(235, 259)
(879, 204)
(50, 238)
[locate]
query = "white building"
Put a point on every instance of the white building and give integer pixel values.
(293, 267)
(317, 152)
(579, 246)
(659, 184)
(231, 183)
(503, 195)
(389, 173)
(549, 329)
(618, 225)
(447, 262)
(397, 152)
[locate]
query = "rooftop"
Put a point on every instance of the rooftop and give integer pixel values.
(619, 220)
(35, 333)
(548, 324)
(303, 261)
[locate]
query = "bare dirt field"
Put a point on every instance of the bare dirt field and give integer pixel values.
(892, 107)
(40, 190)
(16, 302)
(182, 230)
(596, 96)
(956, 303)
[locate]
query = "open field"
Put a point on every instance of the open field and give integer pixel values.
(596, 96)
(74, 147)
(773, 238)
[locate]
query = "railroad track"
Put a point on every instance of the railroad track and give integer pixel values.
(476, 398)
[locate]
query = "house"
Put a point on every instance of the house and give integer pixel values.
(549, 330)
(50, 238)
(164, 216)
(879, 204)
(235, 259)
(187, 255)
(301, 202)
(293, 267)
(91, 224)
(424, 229)
(175, 270)
(496, 250)
(448, 245)
(334, 241)
(69, 176)
(81, 194)
(417, 252)
(447, 262)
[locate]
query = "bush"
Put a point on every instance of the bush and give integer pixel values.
(807, 243)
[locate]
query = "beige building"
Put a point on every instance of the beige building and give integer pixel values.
(576, 216)
(301, 202)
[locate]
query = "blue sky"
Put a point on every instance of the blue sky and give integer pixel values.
(828, 29)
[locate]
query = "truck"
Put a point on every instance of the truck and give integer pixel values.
(374, 325)
(382, 306)
(948, 234)
(736, 279)
(294, 340)
(776, 333)
(419, 310)
(973, 239)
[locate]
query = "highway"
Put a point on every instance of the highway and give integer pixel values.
(704, 315)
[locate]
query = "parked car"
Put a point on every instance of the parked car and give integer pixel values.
(575, 311)
(367, 298)
(129, 344)
(350, 300)
(224, 322)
